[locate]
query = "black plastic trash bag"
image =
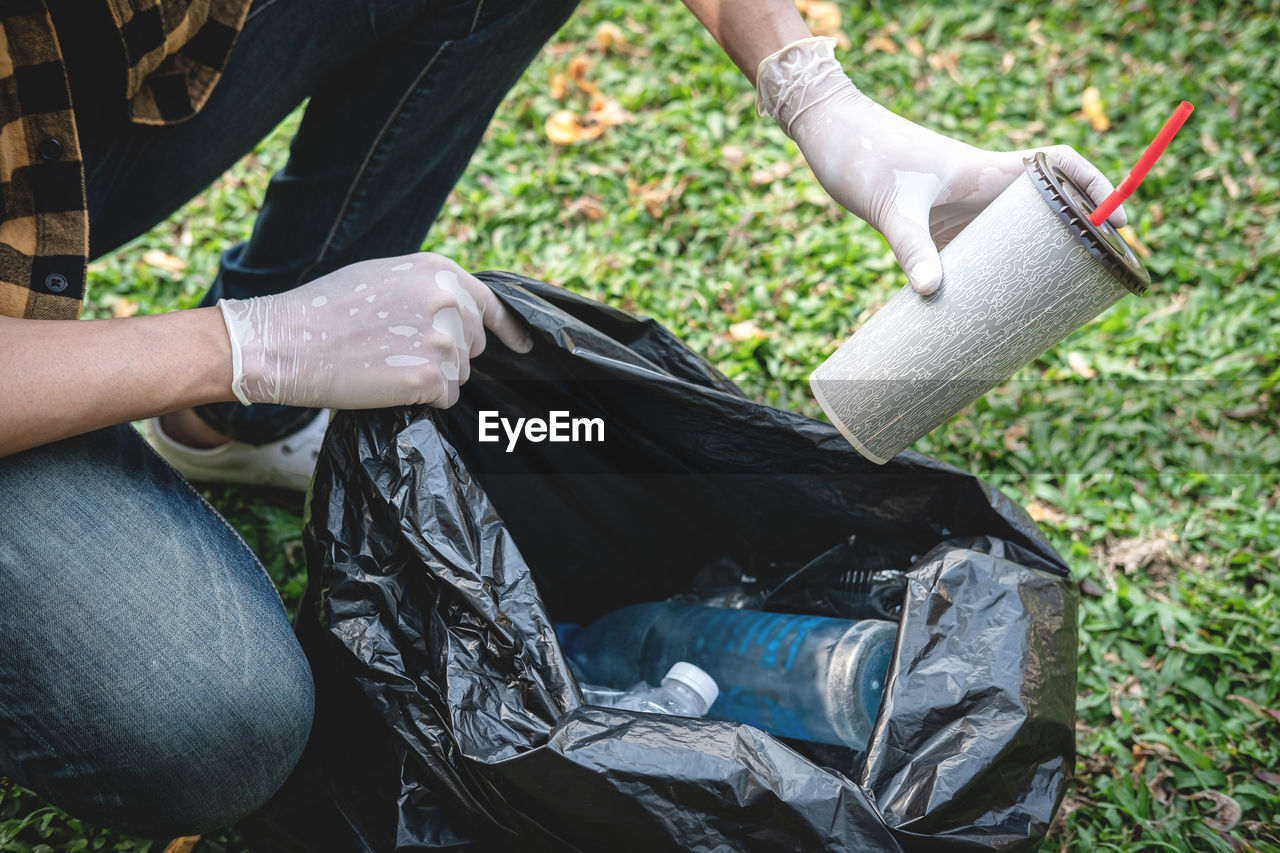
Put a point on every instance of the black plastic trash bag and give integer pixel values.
(447, 716)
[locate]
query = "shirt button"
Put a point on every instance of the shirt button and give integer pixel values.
(49, 149)
(55, 283)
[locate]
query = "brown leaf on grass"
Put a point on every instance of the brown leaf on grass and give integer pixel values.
(1091, 107)
(1044, 512)
(578, 68)
(606, 113)
(1267, 776)
(164, 261)
(185, 844)
(1153, 554)
(563, 127)
(881, 44)
(122, 307)
(914, 47)
(824, 19)
(558, 87)
(948, 61)
(763, 177)
(1233, 189)
(1012, 438)
(609, 36)
(1225, 814)
(587, 207)
(1080, 366)
(747, 330)
(1271, 713)
(1161, 792)
(733, 156)
(1127, 689)
(654, 196)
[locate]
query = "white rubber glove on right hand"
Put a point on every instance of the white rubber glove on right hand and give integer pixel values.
(916, 187)
(387, 332)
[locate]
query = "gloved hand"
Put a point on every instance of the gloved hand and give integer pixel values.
(386, 332)
(916, 187)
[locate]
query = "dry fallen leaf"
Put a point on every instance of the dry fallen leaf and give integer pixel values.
(948, 61)
(883, 44)
(606, 113)
(588, 207)
(608, 36)
(1273, 713)
(122, 307)
(747, 330)
(1226, 811)
(914, 47)
(1267, 776)
(1091, 106)
(1233, 189)
(563, 127)
(578, 67)
(1013, 436)
(654, 199)
(824, 19)
(1044, 512)
(733, 156)
(1080, 366)
(559, 85)
(164, 261)
(763, 177)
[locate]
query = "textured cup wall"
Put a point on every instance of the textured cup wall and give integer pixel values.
(1015, 282)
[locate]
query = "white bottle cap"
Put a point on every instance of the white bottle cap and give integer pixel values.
(696, 679)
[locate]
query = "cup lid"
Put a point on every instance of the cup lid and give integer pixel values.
(1073, 206)
(696, 678)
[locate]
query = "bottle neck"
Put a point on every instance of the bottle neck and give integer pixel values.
(686, 695)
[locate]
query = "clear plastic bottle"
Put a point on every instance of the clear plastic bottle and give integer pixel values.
(686, 691)
(806, 677)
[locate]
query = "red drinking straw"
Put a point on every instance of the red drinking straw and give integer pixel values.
(1145, 162)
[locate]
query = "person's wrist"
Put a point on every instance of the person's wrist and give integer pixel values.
(243, 326)
(213, 383)
(791, 81)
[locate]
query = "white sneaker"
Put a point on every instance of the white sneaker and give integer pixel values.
(287, 463)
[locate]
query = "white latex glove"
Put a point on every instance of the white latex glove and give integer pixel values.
(916, 187)
(388, 332)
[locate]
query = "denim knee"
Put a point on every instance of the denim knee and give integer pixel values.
(192, 766)
(149, 678)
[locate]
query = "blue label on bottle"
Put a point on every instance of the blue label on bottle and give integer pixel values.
(761, 710)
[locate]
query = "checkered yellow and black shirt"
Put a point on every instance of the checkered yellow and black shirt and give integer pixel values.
(174, 51)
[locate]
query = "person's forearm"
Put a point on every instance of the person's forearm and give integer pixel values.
(62, 378)
(750, 30)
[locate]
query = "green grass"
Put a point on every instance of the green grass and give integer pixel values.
(1156, 479)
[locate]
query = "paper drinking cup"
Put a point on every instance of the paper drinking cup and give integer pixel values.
(1023, 275)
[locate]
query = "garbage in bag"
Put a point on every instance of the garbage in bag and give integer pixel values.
(447, 713)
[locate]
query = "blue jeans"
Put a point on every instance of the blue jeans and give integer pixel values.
(149, 679)
(400, 91)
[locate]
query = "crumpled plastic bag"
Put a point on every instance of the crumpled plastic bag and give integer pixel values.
(448, 718)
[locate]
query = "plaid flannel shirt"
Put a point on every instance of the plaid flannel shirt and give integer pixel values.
(175, 51)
